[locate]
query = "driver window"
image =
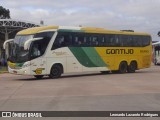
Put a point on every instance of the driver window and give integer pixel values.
(39, 47)
(35, 52)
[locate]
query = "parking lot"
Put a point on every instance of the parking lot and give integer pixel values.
(138, 91)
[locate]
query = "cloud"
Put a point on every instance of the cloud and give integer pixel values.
(140, 15)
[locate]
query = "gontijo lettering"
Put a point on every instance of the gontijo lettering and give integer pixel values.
(119, 51)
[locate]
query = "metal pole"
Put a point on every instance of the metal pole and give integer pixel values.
(6, 38)
(6, 34)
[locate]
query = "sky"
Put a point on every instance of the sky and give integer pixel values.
(137, 15)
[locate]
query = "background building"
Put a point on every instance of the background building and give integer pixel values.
(8, 30)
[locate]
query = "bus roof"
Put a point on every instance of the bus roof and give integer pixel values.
(36, 30)
(101, 30)
(80, 29)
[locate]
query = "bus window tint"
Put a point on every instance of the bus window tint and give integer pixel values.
(94, 41)
(137, 41)
(79, 40)
(62, 40)
(74, 39)
(102, 40)
(86, 41)
(146, 40)
(125, 40)
(41, 45)
(110, 40)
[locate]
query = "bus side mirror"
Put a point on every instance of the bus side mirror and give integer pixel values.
(5, 43)
(6, 46)
(28, 42)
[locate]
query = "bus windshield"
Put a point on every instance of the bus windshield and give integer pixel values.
(37, 48)
(17, 53)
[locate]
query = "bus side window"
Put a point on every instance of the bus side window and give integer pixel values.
(79, 40)
(88, 39)
(42, 44)
(102, 41)
(76, 41)
(85, 41)
(125, 40)
(94, 41)
(130, 41)
(62, 40)
(57, 42)
(110, 40)
(145, 40)
(137, 41)
(67, 40)
(35, 50)
(117, 41)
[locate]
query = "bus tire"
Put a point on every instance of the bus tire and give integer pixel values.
(56, 71)
(122, 67)
(132, 67)
(38, 76)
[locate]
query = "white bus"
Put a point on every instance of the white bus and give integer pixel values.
(54, 50)
(156, 53)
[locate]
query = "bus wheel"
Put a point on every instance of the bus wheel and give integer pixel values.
(132, 67)
(56, 71)
(123, 67)
(38, 76)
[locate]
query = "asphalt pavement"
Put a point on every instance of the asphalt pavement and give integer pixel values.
(94, 91)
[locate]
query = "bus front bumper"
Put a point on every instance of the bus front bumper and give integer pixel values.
(22, 71)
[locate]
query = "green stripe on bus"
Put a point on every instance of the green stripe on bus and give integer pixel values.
(82, 57)
(19, 64)
(88, 57)
(94, 56)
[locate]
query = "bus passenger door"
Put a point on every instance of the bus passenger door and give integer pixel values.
(38, 63)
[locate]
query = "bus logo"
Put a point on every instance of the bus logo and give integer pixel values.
(119, 51)
(38, 71)
(6, 114)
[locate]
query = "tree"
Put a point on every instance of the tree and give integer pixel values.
(4, 13)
